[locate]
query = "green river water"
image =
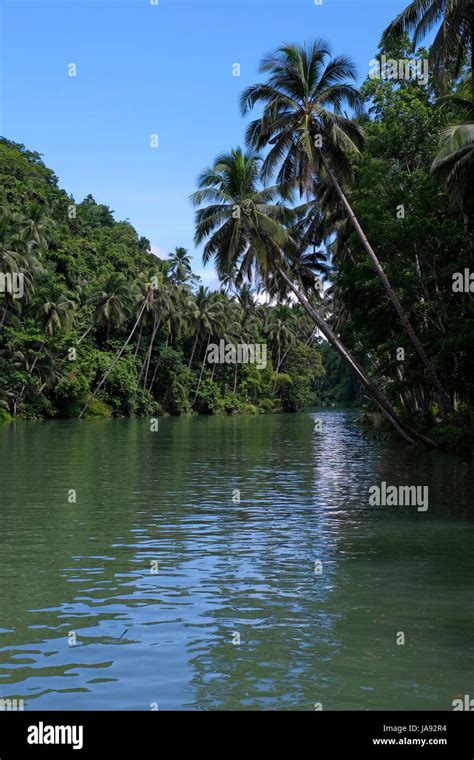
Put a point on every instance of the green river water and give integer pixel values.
(136, 596)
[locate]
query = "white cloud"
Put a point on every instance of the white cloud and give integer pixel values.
(157, 250)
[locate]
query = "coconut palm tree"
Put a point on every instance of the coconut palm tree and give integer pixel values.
(36, 225)
(209, 320)
(302, 120)
(11, 312)
(55, 312)
(16, 258)
(281, 330)
(177, 314)
(233, 328)
(143, 282)
(308, 262)
(453, 40)
(310, 137)
(246, 299)
(12, 250)
(165, 310)
(199, 317)
(149, 296)
(132, 294)
(243, 229)
(454, 162)
(112, 302)
(177, 307)
(180, 266)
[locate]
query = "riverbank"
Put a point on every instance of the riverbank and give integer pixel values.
(444, 436)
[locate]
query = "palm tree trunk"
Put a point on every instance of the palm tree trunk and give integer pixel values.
(309, 339)
(3, 316)
(194, 348)
(139, 340)
(235, 376)
(202, 370)
(156, 326)
(444, 402)
(142, 368)
(30, 371)
(382, 402)
(119, 354)
(157, 366)
(84, 335)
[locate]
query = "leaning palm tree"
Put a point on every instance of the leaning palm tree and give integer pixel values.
(162, 308)
(454, 38)
(226, 316)
(118, 355)
(309, 262)
(210, 320)
(311, 138)
(148, 288)
(233, 329)
(198, 308)
(174, 309)
(244, 229)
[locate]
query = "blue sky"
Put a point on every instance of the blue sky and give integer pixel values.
(146, 69)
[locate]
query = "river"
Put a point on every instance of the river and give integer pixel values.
(133, 577)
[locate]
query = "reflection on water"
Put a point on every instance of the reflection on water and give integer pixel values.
(83, 572)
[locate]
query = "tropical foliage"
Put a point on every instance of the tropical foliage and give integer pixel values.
(106, 328)
(336, 234)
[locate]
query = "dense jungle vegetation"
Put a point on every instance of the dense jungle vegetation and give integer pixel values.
(352, 210)
(100, 308)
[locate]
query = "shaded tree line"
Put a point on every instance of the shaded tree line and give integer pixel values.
(106, 328)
